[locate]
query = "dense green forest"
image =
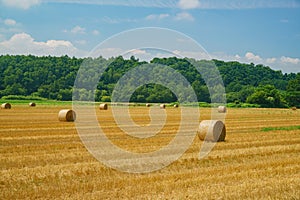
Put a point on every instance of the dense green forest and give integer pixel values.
(53, 78)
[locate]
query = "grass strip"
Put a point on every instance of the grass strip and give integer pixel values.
(283, 128)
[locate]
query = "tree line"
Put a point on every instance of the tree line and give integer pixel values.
(53, 78)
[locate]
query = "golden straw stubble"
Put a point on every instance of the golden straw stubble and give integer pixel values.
(67, 115)
(212, 130)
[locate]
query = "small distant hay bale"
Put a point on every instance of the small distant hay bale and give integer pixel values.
(222, 109)
(148, 105)
(32, 104)
(6, 106)
(175, 105)
(294, 108)
(67, 115)
(162, 106)
(212, 130)
(103, 106)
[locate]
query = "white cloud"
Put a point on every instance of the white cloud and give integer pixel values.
(137, 51)
(184, 16)
(289, 60)
(188, 4)
(22, 4)
(157, 17)
(237, 57)
(251, 57)
(2, 37)
(192, 54)
(81, 42)
(271, 60)
(23, 43)
(109, 20)
(95, 32)
(9, 27)
(284, 21)
(78, 30)
(10, 22)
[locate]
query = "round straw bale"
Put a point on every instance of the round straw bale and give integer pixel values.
(6, 106)
(175, 105)
(103, 106)
(67, 115)
(294, 108)
(222, 109)
(212, 130)
(162, 106)
(147, 104)
(32, 104)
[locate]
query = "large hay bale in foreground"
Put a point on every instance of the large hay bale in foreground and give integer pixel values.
(67, 115)
(6, 106)
(162, 106)
(103, 106)
(222, 109)
(148, 105)
(212, 130)
(32, 104)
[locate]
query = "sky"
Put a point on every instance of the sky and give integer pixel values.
(249, 31)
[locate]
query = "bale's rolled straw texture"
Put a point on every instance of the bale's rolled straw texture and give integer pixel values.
(67, 115)
(162, 106)
(222, 109)
(103, 106)
(147, 104)
(6, 106)
(32, 104)
(212, 130)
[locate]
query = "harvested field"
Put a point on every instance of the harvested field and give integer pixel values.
(44, 158)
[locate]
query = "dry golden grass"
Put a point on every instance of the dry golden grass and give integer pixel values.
(42, 158)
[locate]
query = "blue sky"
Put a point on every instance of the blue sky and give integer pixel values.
(263, 32)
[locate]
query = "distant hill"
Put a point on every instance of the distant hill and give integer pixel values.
(53, 78)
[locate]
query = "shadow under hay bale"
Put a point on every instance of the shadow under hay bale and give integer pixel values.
(212, 130)
(67, 115)
(222, 109)
(6, 106)
(103, 106)
(162, 106)
(32, 104)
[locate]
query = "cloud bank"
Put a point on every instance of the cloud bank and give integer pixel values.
(25, 44)
(22, 4)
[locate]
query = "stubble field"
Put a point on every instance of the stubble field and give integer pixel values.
(42, 158)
